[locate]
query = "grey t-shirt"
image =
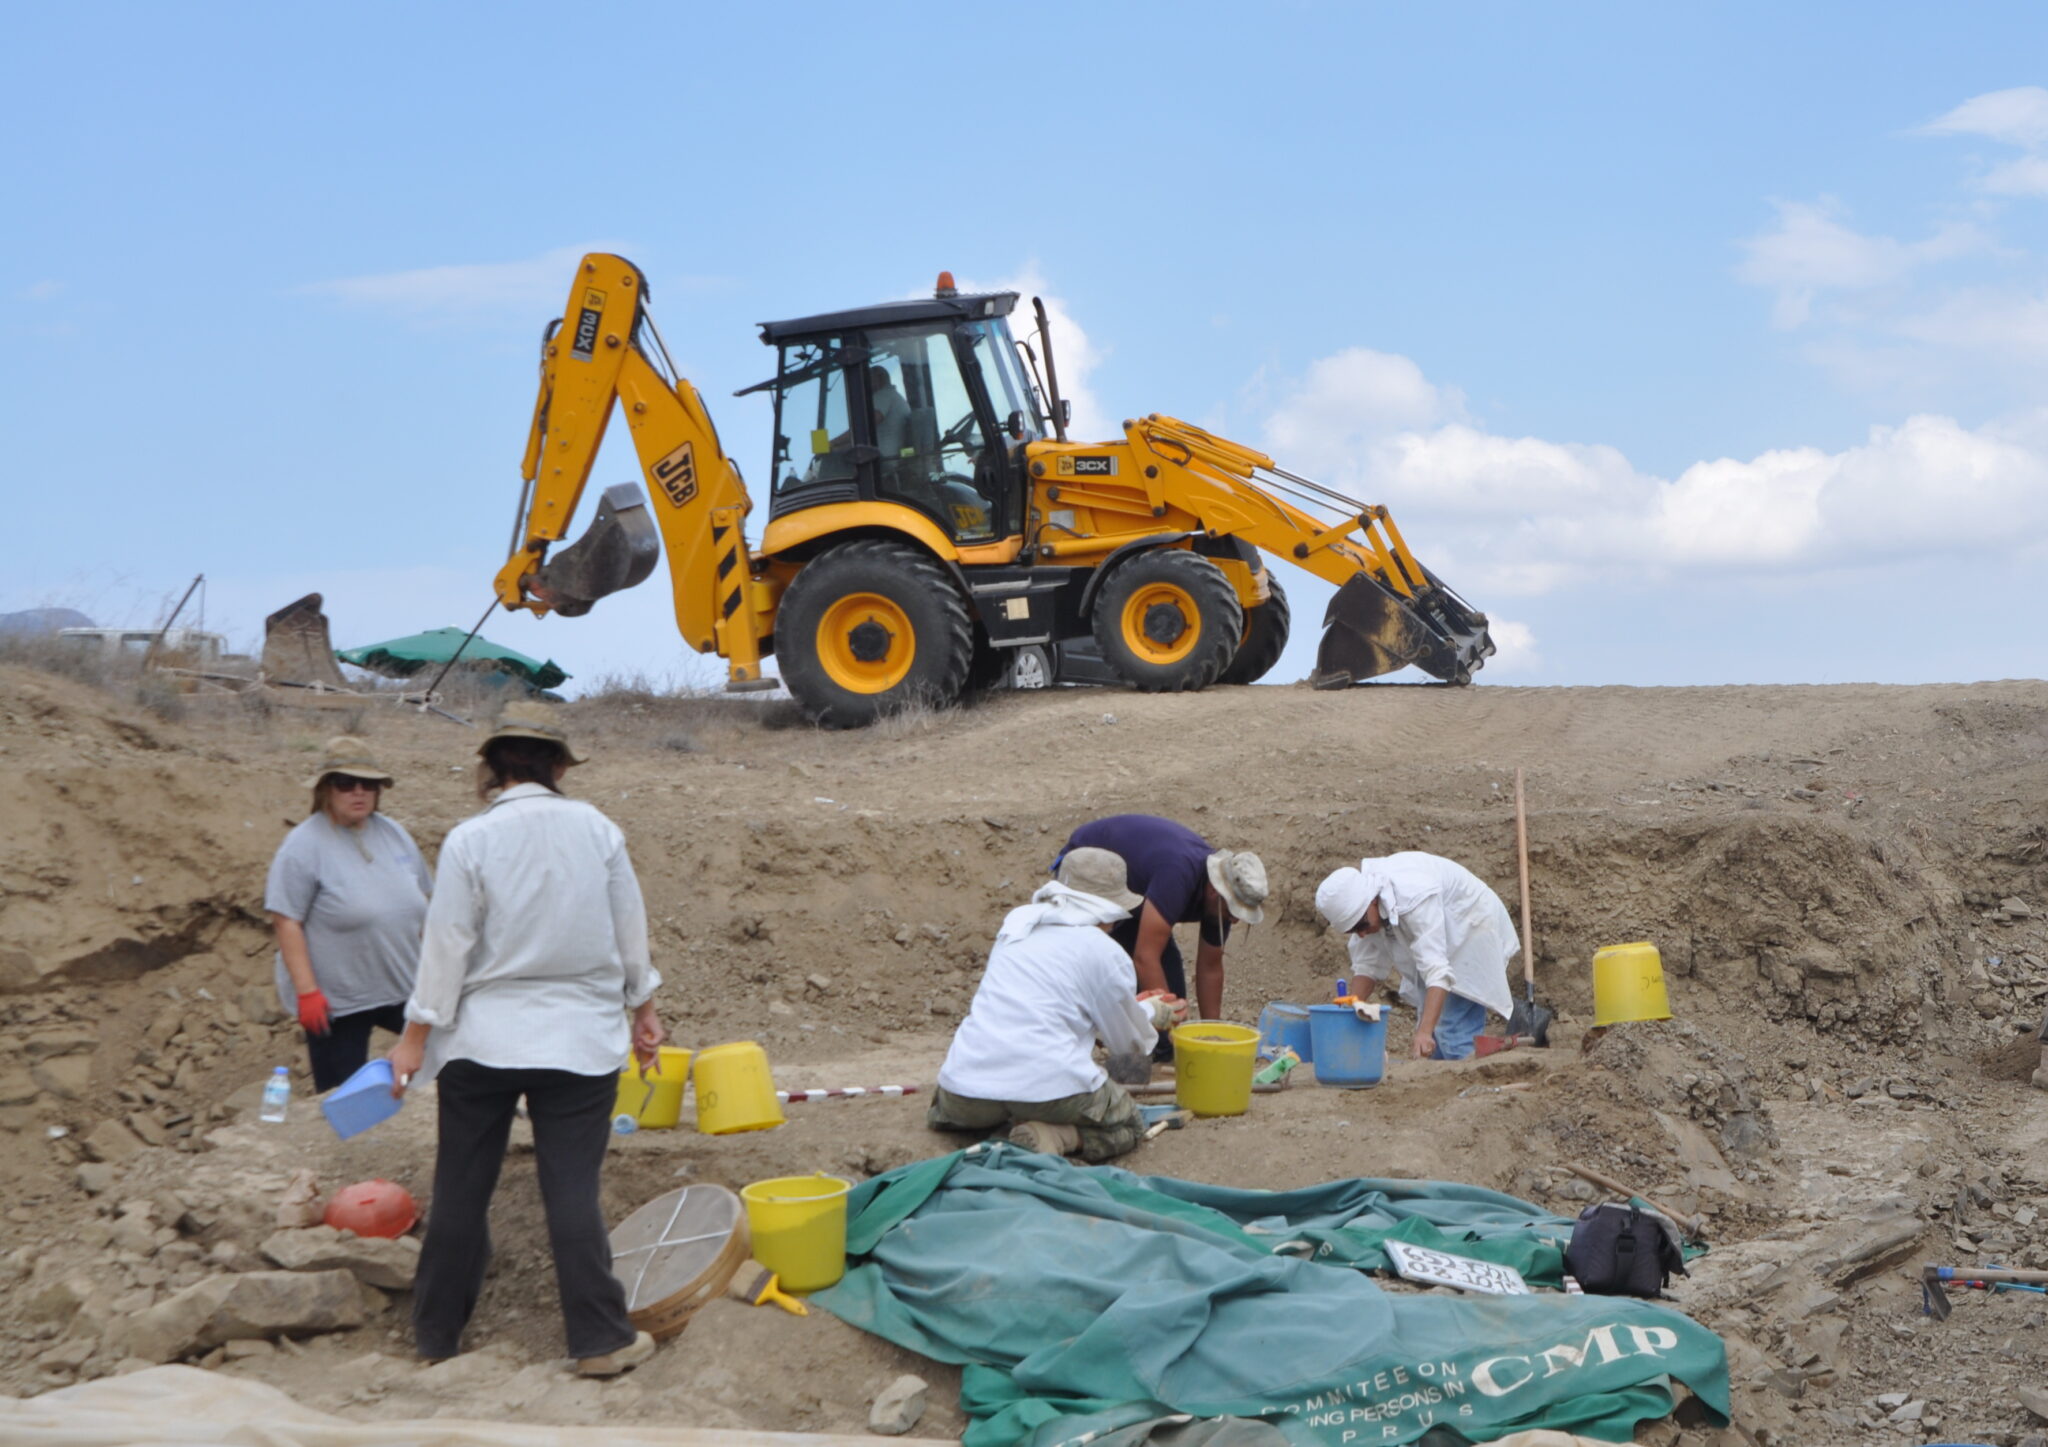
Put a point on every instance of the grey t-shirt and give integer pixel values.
(363, 915)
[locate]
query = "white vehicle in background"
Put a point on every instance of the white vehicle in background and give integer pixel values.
(184, 647)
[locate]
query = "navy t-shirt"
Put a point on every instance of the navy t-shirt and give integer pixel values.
(1166, 862)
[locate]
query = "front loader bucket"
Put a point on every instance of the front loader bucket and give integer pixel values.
(619, 550)
(297, 647)
(1369, 630)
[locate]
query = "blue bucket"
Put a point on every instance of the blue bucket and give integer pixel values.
(1350, 1052)
(361, 1101)
(1285, 1025)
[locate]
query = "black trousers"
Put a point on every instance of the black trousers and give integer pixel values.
(571, 1117)
(342, 1051)
(1125, 933)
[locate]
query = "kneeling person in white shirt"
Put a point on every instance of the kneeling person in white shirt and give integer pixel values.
(1435, 928)
(1055, 984)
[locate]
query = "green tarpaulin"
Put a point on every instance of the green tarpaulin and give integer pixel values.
(403, 657)
(1091, 1304)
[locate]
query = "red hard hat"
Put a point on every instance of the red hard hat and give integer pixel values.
(372, 1208)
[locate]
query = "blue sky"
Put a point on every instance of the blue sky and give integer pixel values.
(1696, 345)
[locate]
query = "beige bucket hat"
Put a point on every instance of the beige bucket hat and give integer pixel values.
(347, 754)
(1240, 877)
(1101, 873)
(531, 721)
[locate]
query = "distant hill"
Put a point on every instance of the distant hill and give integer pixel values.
(33, 621)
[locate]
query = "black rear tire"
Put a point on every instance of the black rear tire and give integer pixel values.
(870, 628)
(1265, 638)
(1168, 621)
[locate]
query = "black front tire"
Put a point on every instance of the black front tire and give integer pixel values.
(1168, 621)
(848, 663)
(1265, 638)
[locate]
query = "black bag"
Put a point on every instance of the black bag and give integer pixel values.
(1620, 1250)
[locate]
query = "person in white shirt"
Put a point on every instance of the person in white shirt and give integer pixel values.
(535, 954)
(1055, 984)
(1433, 927)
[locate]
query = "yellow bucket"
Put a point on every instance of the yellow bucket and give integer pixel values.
(655, 1100)
(799, 1228)
(1213, 1064)
(735, 1092)
(1628, 984)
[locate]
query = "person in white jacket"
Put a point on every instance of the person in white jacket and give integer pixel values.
(1055, 984)
(1435, 928)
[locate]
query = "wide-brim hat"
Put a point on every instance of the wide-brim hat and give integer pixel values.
(347, 754)
(1102, 873)
(1240, 877)
(1343, 898)
(531, 721)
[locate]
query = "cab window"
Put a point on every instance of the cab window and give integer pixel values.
(935, 454)
(813, 433)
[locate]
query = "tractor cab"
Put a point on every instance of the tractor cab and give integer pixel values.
(922, 403)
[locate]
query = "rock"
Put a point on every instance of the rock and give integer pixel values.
(899, 1407)
(16, 1088)
(59, 1301)
(821, 983)
(371, 1260)
(1899, 1090)
(69, 1354)
(96, 1178)
(301, 1204)
(1910, 1412)
(68, 1076)
(2034, 1399)
(1856, 1089)
(1881, 1236)
(232, 1308)
(2016, 908)
(245, 1347)
(112, 1142)
(1889, 1400)
(147, 1129)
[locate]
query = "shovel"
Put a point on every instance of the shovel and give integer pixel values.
(1530, 1020)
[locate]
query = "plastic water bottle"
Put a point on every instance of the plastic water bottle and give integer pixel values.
(277, 1095)
(625, 1124)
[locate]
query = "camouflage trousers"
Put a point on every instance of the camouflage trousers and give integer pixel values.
(1109, 1120)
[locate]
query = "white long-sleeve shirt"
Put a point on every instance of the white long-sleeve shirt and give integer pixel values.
(536, 940)
(1444, 928)
(1054, 985)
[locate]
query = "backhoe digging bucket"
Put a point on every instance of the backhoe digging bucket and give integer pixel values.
(619, 550)
(1368, 631)
(296, 645)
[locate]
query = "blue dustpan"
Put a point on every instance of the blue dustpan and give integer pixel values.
(361, 1101)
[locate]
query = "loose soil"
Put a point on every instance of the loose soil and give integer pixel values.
(1846, 883)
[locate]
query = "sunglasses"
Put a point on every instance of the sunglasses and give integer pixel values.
(348, 784)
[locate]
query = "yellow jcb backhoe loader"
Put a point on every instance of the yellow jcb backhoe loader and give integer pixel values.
(930, 525)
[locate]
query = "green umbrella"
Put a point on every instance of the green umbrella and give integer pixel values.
(403, 657)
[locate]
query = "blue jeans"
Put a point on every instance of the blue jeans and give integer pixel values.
(1460, 1021)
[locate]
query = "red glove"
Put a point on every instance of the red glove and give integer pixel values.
(313, 1012)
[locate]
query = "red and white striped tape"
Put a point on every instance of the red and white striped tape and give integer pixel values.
(851, 1090)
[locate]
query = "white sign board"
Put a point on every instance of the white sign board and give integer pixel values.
(1438, 1268)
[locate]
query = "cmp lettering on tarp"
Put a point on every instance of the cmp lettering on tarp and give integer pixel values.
(1400, 1402)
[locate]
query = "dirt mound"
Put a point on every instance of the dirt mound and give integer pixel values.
(1845, 884)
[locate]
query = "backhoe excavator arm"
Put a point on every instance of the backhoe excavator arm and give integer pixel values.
(1389, 611)
(604, 352)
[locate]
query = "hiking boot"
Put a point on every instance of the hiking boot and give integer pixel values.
(623, 1360)
(1046, 1138)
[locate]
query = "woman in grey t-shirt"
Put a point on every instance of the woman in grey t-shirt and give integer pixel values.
(347, 896)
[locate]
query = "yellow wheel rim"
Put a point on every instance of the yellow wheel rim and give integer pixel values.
(1161, 623)
(866, 643)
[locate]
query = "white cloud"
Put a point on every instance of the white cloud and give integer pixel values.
(1076, 356)
(1811, 250)
(1350, 397)
(515, 289)
(2019, 117)
(2008, 325)
(1519, 516)
(1514, 645)
(44, 290)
